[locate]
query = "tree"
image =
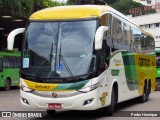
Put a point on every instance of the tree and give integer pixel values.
(40, 4)
(124, 6)
(16, 7)
(24, 8)
(121, 5)
(80, 2)
(111, 1)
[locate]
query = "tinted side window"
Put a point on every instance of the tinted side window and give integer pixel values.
(6, 61)
(102, 57)
(126, 36)
(117, 33)
(150, 44)
(18, 60)
(1, 64)
(143, 42)
(12, 62)
(136, 42)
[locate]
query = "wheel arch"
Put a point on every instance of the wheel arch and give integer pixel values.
(9, 78)
(114, 85)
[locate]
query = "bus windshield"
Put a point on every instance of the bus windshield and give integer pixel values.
(59, 49)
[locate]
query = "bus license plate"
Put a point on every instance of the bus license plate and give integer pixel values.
(54, 106)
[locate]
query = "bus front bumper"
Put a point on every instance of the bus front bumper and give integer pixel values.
(83, 101)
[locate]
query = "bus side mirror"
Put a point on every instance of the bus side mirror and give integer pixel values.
(99, 37)
(11, 37)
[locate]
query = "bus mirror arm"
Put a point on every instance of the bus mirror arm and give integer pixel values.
(11, 37)
(99, 37)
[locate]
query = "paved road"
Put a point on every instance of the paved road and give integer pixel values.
(10, 101)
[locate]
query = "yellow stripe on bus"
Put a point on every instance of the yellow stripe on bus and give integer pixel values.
(40, 86)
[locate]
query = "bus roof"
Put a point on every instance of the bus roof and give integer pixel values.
(77, 12)
(70, 12)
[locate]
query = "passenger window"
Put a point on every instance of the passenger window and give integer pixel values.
(12, 62)
(1, 65)
(6, 61)
(18, 60)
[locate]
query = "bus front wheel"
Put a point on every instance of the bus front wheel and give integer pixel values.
(109, 110)
(7, 85)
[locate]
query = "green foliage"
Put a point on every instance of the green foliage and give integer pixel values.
(49, 3)
(121, 5)
(1, 3)
(40, 4)
(78, 2)
(25, 8)
(17, 7)
(72, 2)
(152, 11)
(111, 1)
(124, 5)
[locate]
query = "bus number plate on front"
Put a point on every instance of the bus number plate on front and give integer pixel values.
(54, 106)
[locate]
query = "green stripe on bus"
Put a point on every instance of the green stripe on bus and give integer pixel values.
(72, 86)
(130, 70)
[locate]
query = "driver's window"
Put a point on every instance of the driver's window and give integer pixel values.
(102, 56)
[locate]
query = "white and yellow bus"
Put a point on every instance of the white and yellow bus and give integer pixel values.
(84, 57)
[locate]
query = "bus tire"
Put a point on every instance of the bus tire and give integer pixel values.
(157, 85)
(149, 87)
(109, 110)
(148, 91)
(7, 85)
(143, 98)
(51, 112)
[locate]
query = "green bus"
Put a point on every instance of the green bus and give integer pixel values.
(157, 68)
(9, 69)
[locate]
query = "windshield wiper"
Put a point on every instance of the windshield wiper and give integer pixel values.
(49, 58)
(65, 64)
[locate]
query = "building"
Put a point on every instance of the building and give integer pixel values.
(147, 2)
(150, 23)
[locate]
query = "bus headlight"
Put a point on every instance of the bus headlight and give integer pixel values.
(26, 89)
(90, 88)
